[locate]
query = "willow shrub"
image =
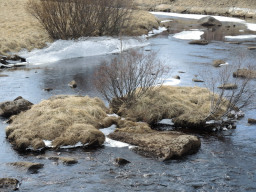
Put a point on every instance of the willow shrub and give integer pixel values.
(72, 19)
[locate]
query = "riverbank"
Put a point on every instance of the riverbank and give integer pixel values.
(244, 8)
(19, 30)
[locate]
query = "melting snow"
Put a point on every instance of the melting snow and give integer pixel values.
(241, 38)
(189, 35)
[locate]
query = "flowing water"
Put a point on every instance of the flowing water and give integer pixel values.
(225, 162)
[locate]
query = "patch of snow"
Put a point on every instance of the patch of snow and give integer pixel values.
(251, 26)
(241, 31)
(241, 38)
(113, 115)
(79, 144)
(156, 31)
(196, 16)
(224, 64)
(107, 131)
(166, 122)
(171, 81)
(110, 142)
(165, 21)
(189, 35)
(47, 143)
(66, 49)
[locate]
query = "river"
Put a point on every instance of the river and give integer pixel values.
(225, 162)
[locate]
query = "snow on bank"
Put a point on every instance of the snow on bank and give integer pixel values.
(66, 49)
(112, 143)
(241, 38)
(156, 31)
(189, 35)
(250, 26)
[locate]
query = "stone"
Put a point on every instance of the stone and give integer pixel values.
(197, 80)
(120, 161)
(14, 107)
(64, 160)
(163, 8)
(16, 58)
(72, 84)
(245, 73)
(162, 145)
(7, 184)
(209, 21)
(30, 167)
(252, 121)
(251, 48)
(48, 89)
(217, 63)
(228, 86)
(199, 42)
(176, 77)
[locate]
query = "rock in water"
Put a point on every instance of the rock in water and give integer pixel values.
(72, 84)
(120, 161)
(160, 145)
(252, 121)
(30, 167)
(14, 107)
(7, 184)
(228, 86)
(209, 21)
(199, 42)
(217, 63)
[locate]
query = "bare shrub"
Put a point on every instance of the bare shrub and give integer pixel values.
(129, 77)
(231, 93)
(71, 19)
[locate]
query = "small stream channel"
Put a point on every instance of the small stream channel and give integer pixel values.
(225, 162)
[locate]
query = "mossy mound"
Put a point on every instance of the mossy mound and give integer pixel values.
(64, 120)
(187, 106)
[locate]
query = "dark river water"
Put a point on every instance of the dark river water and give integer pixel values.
(225, 162)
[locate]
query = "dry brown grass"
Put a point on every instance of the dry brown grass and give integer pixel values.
(187, 106)
(19, 29)
(64, 120)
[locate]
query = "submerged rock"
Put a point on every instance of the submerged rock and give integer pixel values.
(72, 84)
(252, 121)
(197, 80)
(30, 167)
(64, 160)
(228, 86)
(7, 184)
(199, 42)
(209, 21)
(160, 145)
(120, 161)
(14, 107)
(176, 77)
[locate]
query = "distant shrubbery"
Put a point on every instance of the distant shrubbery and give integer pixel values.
(71, 19)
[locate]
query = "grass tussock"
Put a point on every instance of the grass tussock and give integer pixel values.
(187, 106)
(65, 120)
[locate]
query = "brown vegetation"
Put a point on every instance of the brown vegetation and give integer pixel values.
(64, 120)
(72, 19)
(187, 106)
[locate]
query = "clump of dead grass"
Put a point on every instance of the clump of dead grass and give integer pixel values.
(64, 120)
(187, 106)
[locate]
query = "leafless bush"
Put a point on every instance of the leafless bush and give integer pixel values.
(231, 94)
(129, 77)
(71, 19)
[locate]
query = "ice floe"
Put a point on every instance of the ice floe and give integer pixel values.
(241, 38)
(189, 35)
(156, 31)
(166, 122)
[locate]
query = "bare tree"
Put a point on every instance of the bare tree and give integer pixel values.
(129, 76)
(71, 19)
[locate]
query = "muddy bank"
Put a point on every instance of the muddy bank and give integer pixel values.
(246, 8)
